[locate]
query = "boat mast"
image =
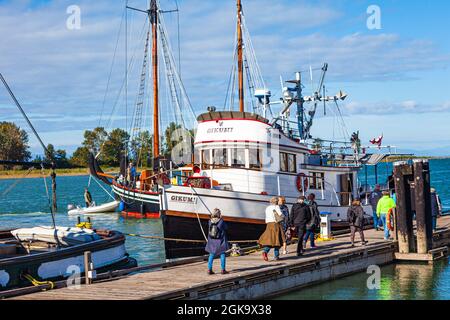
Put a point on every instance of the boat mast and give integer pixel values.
(154, 22)
(240, 58)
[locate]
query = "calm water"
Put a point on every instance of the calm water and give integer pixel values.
(26, 205)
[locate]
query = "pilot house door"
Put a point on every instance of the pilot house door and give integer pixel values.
(346, 181)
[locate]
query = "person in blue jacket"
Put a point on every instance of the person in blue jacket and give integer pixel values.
(217, 244)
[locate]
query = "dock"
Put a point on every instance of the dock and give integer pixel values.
(250, 277)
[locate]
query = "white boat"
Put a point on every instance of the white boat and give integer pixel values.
(103, 208)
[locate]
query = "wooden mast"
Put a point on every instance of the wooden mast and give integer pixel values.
(240, 59)
(154, 21)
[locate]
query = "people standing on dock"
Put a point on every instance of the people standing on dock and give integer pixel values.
(436, 207)
(87, 197)
(385, 204)
(374, 197)
(217, 244)
(299, 217)
(314, 221)
(355, 216)
(285, 223)
(273, 236)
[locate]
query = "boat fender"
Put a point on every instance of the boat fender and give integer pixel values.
(142, 209)
(122, 206)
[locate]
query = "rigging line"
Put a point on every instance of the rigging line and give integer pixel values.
(126, 79)
(177, 76)
(25, 116)
(111, 69)
(179, 37)
(130, 66)
(100, 185)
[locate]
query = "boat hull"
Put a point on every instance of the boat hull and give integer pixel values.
(138, 204)
(107, 254)
(184, 209)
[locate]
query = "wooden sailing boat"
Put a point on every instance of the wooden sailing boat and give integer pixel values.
(141, 198)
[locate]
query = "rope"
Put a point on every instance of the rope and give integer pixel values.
(109, 194)
(198, 217)
(37, 283)
(181, 240)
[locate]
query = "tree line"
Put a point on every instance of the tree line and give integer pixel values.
(14, 146)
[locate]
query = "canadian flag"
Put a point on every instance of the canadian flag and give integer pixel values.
(377, 141)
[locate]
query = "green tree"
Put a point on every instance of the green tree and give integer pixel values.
(170, 138)
(80, 157)
(13, 143)
(50, 154)
(141, 149)
(114, 147)
(93, 140)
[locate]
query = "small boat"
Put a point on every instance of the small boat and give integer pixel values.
(51, 254)
(103, 208)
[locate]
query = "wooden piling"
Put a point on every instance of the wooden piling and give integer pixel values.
(423, 206)
(402, 174)
(87, 267)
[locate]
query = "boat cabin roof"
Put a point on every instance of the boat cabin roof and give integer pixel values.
(229, 115)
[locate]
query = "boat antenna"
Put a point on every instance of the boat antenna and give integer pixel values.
(53, 207)
(240, 56)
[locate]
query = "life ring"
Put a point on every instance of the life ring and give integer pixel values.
(302, 181)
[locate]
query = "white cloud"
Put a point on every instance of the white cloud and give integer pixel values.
(55, 71)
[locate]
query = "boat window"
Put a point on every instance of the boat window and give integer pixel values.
(255, 158)
(220, 158)
(288, 162)
(317, 180)
(206, 160)
(238, 158)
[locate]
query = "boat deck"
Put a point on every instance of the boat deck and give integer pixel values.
(249, 277)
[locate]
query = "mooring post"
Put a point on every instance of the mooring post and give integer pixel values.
(423, 206)
(402, 173)
(53, 176)
(87, 267)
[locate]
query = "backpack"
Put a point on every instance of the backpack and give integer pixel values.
(214, 232)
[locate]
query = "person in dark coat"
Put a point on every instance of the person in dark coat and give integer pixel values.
(314, 221)
(374, 197)
(217, 244)
(87, 198)
(436, 207)
(355, 216)
(299, 217)
(285, 223)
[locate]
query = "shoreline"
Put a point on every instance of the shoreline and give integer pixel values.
(23, 174)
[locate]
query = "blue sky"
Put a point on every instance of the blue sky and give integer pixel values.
(397, 78)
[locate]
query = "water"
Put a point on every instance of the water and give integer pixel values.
(26, 205)
(398, 282)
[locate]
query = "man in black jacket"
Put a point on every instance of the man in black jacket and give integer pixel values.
(299, 217)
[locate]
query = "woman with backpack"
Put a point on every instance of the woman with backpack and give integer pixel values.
(273, 236)
(355, 216)
(217, 241)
